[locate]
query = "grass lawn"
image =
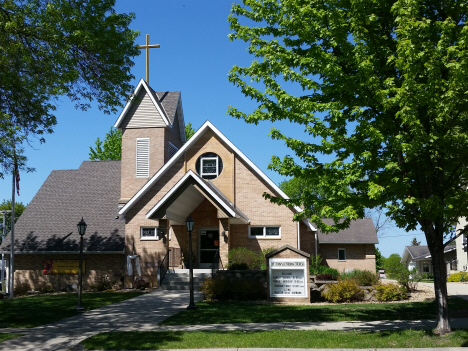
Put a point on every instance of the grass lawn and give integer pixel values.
(32, 311)
(8, 336)
(238, 312)
(276, 339)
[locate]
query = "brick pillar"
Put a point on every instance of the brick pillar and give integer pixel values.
(224, 240)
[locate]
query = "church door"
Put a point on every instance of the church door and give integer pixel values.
(209, 245)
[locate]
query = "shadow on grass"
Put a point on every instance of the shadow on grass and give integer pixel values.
(141, 340)
(238, 312)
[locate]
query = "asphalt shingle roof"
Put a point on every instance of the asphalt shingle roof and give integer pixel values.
(422, 251)
(360, 231)
(49, 221)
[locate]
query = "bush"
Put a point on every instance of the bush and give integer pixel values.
(266, 251)
(238, 266)
(238, 255)
(457, 277)
(226, 289)
(343, 291)
(363, 278)
(22, 289)
(428, 276)
(103, 285)
(45, 288)
(389, 292)
(405, 277)
(315, 263)
(330, 271)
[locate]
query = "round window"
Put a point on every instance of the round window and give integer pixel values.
(209, 165)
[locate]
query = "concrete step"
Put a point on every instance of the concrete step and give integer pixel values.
(179, 279)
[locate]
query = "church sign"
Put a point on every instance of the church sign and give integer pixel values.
(62, 267)
(288, 277)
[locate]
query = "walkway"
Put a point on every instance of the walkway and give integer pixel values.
(146, 311)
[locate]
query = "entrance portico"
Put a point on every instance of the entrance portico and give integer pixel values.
(213, 214)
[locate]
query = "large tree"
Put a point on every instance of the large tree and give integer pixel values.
(52, 48)
(6, 205)
(380, 88)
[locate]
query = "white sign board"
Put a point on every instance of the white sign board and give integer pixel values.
(288, 277)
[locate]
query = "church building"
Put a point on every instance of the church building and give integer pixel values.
(137, 207)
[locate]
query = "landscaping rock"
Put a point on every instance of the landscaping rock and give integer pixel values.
(141, 282)
(70, 288)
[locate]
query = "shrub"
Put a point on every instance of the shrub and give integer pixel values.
(457, 277)
(22, 289)
(242, 266)
(428, 276)
(266, 251)
(343, 291)
(103, 285)
(389, 292)
(331, 271)
(315, 263)
(408, 279)
(45, 288)
(226, 289)
(243, 255)
(363, 278)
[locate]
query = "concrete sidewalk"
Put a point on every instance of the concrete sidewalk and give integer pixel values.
(144, 312)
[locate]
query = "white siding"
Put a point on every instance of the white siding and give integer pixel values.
(142, 113)
(142, 157)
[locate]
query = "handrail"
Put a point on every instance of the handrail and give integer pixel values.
(164, 267)
(215, 264)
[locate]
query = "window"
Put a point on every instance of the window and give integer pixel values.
(171, 150)
(341, 254)
(142, 157)
(272, 232)
(149, 233)
(425, 267)
(209, 165)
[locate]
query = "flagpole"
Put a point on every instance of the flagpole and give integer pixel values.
(12, 232)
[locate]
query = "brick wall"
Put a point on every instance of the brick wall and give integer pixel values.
(28, 269)
(358, 256)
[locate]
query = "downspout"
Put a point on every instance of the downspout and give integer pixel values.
(298, 237)
(316, 244)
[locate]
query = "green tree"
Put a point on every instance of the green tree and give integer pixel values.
(6, 205)
(380, 89)
(379, 259)
(110, 149)
(79, 49)
(393, 264)
(189, 131)
(414, 242)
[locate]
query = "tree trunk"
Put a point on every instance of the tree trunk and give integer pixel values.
(440, 285)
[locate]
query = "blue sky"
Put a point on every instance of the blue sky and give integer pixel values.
(195, 57)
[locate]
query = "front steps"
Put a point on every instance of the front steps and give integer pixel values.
(179, 279)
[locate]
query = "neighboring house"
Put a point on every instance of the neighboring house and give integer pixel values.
(460, 242)
(419, 257)
(138, 206)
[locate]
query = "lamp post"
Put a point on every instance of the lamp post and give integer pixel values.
(190, 222)
(81, 230)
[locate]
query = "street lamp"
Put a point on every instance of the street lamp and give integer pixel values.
(81, 230)
(190, 222)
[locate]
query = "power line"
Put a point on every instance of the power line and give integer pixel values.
(396, 236)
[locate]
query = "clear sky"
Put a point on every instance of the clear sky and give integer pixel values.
(195, 57)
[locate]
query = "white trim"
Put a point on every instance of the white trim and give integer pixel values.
(156, 233)
(210, 158)
(339, 255)
(143, 84)
(205, 187)
(186, 146)
(298, 237)
(264, 236)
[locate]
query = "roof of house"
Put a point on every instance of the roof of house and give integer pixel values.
(360, 231)
(49, 221)
(419, 252)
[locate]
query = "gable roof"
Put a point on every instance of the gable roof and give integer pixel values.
(204, 128)
(421, 252)
(189, 192)
(166, 104)
(360, 231)
(49, 221)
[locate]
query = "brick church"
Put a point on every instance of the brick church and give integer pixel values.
(138, 207)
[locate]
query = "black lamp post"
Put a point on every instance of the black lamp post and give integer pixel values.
(81, 230)
(190, 222)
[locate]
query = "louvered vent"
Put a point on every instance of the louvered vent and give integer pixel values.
(142, 158)
(171, 151)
